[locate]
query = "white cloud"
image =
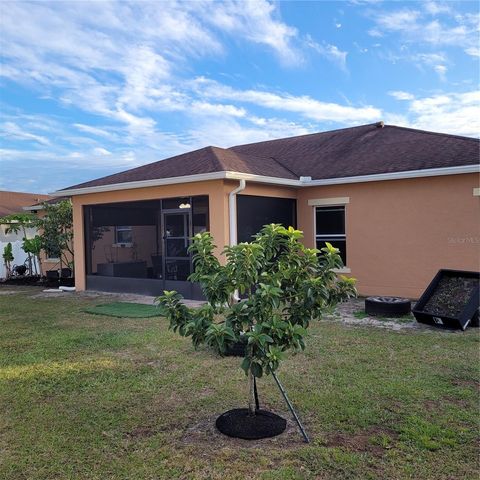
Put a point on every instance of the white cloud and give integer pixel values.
(304, 105)
(330, 52)
(400, 95)
(436, 8)
(454, 113)
(399, 20)
(454, 30)
(115, 58)
(13, 131)
(206, 108)
(228, 132)
(100, 132)
(473, 51)
(435, 61)
(441, 70)
(256, 21)
(101, 151)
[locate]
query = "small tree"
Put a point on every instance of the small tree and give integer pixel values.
(284, 284)
(56, 228)
(33, 246)
(8, 258)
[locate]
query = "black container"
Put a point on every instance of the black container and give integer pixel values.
(67, 282)
(238, 349)
(51, 274)
(65, 272)
(468, 315)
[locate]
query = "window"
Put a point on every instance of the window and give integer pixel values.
(53, 253)
(330, 227)
(123, 235)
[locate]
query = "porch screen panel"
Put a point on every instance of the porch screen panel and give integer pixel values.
(254, 212)
(123, 240)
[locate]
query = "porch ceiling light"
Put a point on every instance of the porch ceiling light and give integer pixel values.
(184, 205)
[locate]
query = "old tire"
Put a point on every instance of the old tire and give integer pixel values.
(387, 306)
(238, 423)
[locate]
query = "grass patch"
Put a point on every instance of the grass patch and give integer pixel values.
(124, 310)
(88, 397)
(360, 314)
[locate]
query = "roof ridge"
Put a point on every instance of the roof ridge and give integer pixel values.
(429, 132)
(306, 135)
(285, 167)
(218, 161)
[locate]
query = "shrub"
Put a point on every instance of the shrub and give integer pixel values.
(283, 284)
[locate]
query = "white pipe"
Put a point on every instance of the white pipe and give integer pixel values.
(232, 212)
(232, 220)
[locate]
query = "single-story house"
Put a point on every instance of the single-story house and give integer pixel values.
(399, 203)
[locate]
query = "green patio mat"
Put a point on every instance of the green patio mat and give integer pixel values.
(125, 310)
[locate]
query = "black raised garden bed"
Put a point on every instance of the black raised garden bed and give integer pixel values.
(451, 300)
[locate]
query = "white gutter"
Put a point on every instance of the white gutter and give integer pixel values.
(201, 177)
(289, 182)
(378, 177)
(33, 208)
(304, 182)
(232, 212)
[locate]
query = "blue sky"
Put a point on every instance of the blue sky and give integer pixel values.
(93, 88)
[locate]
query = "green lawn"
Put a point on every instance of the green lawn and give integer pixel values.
(93, 397)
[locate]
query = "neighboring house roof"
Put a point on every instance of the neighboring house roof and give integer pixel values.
(40, 205)
(349, 152)
(13, 202)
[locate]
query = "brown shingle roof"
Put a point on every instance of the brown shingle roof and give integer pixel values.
(13, 202)
(51, 201)
(363, 150)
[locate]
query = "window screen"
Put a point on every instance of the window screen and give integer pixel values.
(330, 227)
(254, 212)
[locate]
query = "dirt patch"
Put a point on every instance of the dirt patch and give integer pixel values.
(451, 296)
(374, 441)
(431, 405)
(140, 432)
(348, 313)
(466, 383)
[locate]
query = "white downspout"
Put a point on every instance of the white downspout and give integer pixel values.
(232, 220)
(232, 212)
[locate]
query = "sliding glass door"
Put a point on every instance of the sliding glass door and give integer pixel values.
(176, 235)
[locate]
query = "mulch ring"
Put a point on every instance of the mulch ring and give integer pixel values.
(205, 433)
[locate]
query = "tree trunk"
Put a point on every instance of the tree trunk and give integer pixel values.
(40, 269)
(251, 394)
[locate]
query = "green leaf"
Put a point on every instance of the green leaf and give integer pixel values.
(256, 369)
(245, 365)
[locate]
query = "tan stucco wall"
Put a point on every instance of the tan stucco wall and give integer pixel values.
(401, 232)
(262, 190)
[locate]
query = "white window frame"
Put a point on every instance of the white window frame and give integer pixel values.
(122, 228)
(330, 202)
